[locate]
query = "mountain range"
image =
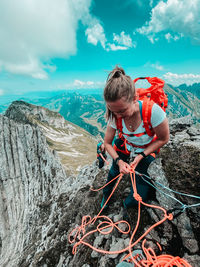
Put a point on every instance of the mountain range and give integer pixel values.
(47, 217)
(87, 108)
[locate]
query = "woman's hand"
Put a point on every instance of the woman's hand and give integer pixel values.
(123, 167)
(134, 163)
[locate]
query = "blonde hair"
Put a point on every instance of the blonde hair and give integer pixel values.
(118, 85)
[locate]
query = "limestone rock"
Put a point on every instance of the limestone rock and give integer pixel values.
(40, 205)
(117, 244)
(31, 179)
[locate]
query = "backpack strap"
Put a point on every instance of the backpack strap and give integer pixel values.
(119, 120)
(146, 115)
(145, 112)
(121, 133)
(119, 124)
(140, 106)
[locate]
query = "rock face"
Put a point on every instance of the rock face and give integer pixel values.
(75, 146)
(31, 178)
(39, 205)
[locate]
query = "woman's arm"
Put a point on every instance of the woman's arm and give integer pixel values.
(162, 133)
(109, 136)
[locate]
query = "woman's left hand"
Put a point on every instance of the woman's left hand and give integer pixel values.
(134, 163)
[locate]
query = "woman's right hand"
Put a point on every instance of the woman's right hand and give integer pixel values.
(124, 167)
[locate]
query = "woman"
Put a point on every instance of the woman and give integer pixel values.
(119, 94)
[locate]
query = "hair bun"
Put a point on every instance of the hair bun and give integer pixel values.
(117, 73)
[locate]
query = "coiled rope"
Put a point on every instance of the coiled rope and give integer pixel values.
(79, 235)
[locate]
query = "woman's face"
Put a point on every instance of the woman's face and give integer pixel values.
(121, 107)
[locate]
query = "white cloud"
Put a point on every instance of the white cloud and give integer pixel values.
(115, 47)
(78, 83)
(157, 66)
(177, 79)
(33, 32)
(151, 3)
(1, 92)
(181, 17)
(33, 68)
(169, 37)
(96, 34)
(123, 39)
(121, 42)
(85, 84)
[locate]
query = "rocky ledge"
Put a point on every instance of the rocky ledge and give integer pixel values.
(40, 206)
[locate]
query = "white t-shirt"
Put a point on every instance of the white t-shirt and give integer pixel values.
(157, 117)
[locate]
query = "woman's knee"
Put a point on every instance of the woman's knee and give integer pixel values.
(130, 202)
(144, 164)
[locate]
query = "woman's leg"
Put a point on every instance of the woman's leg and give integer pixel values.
(143, 188)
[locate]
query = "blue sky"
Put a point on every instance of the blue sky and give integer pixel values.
(66, 44)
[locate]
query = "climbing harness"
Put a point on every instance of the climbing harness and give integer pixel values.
(79, 235)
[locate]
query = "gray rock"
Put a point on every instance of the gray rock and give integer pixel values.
(180, 123)
(24, 112)
(193, 131)
(97, 243)
(117, 218)
(163, 196)
(117, 244)
(40, 205)
(31, 179)
(180, 137)
(193, 260)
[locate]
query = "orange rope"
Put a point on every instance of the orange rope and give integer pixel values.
(107, 226)
(162, 260)
(95, 190)
(104, 158)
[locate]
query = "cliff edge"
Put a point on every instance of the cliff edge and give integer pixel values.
(40, 205)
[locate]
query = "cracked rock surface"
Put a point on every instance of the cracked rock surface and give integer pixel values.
(40, 205)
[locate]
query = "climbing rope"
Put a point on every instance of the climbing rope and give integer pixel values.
(183, 206)
(79, 235)
(165, 187)
(103, 158)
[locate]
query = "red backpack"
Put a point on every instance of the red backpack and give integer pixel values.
(149, 96)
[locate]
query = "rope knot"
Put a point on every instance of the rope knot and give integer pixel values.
(137, 197)
(170, 216)
(132, 169)
(79, 231)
